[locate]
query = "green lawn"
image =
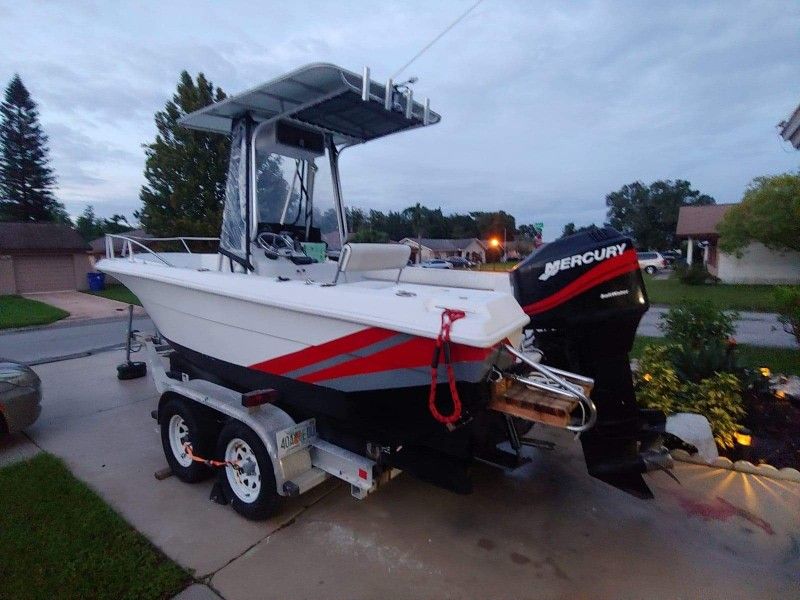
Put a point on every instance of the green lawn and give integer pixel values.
(497, 266)
(734, 297)
(779, 360)
(58, 539)
(119, 293)
(16, 311)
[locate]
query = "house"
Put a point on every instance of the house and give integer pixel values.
(41, 257)
(470, 248)
(758, 264)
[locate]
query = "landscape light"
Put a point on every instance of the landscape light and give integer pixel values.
(648, 377)
(743, 438)
(765, 372)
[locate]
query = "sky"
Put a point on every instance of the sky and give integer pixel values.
(546, 106)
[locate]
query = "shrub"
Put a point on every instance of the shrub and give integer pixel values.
(656, 381)
(697, 274)
(718, 397)
(697, 324)
(788, 301)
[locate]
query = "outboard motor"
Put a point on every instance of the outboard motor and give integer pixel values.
(585, 296)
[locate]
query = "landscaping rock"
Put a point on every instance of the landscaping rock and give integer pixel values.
(786, 387)
(695, 430)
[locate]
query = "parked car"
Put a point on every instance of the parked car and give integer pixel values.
(20, 396)
(670, 256)
(651, 262)
(459, 262)
(436, 264)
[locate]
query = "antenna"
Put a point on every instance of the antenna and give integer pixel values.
(436, 39)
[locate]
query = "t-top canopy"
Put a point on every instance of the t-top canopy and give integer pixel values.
(323, 97)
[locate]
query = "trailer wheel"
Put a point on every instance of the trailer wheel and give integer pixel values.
(182, 423)
(251, 488)
(650, 270)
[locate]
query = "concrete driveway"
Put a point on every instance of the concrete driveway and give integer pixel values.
(545, 531)
(82, 307)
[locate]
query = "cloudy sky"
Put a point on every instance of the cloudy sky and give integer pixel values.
(547, 106)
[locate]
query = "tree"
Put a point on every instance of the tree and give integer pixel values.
(570, 229)
(185, 169)
(768, 213)
(495, 224)
(91, 227)
(649, 214)
(26, 178)
(88, 225)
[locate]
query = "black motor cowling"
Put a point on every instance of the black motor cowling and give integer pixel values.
(585, 296)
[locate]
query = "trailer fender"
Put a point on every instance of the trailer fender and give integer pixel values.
(265, 420)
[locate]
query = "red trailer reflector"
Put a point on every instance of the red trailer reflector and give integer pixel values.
(362, 473)
(259, 397)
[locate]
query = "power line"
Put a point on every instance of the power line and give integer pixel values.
(436, 39)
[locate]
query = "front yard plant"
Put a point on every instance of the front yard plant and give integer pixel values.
(788, 300)
(696, 369)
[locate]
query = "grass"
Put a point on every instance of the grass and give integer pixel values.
(119, 293)
(496, 266)
(779, 360)
(726, 296)
(757, 298)
(58, 539)
(16, 311)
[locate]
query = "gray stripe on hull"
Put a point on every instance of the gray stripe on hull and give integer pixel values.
(394, 340)
(470, 372)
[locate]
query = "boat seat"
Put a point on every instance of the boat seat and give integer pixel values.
(372, 257)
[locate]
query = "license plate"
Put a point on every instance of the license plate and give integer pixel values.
(296, 437)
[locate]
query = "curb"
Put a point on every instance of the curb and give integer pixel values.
(85, 353)
(742, 466)
(64, 324)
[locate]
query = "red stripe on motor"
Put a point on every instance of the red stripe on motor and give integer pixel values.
(314, 354)
(605, 271)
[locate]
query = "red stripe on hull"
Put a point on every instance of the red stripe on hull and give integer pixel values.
(605, 271)
(314, 354)
(414, 353)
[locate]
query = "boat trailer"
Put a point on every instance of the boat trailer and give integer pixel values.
(299, 457)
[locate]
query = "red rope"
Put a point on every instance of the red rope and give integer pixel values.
(449, 316)
(187, 447)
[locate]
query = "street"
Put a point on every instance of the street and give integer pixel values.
(754, 328)
(56, 342)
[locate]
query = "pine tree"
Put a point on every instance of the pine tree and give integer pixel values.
(185, 169)
(26, 179)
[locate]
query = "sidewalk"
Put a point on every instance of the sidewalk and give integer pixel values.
(84, 307)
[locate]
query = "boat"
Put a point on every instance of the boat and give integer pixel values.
(423, 370)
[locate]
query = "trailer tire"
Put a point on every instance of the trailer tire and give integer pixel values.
(181, 422)
(252, 494)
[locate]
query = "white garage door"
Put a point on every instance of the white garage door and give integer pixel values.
(44, 273)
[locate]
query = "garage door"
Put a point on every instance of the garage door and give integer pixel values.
(44, 273)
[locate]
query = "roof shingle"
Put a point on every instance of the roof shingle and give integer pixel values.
(40, 237)
(698, 221)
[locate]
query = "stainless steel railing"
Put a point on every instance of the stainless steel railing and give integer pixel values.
(131, 243)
